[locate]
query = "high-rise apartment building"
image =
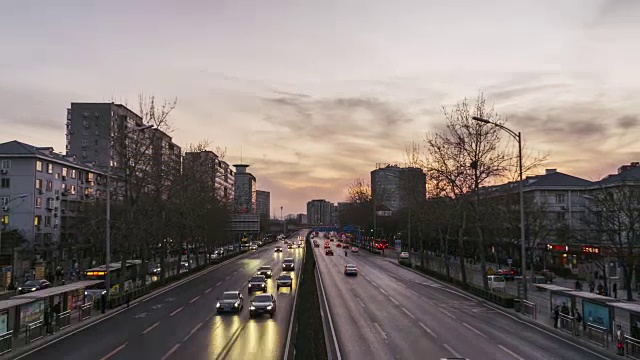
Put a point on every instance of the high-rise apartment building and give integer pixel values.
(263, 203)
(395, 187)
(244, 190)
(319, 212)
(217, 171)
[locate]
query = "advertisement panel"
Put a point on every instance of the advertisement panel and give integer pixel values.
(559, 300)
(595, 314)
(4, 322)
(31, 312)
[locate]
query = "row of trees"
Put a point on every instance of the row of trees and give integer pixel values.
(473, 205)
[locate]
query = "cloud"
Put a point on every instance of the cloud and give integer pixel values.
(627, 122)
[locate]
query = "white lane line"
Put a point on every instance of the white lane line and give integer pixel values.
(452, 351)
(447, 313)
(408, 313)
(360, 301)
(192, 331)
(209, 289)
(151, 327)
(176, 311)
(194, 299)
(218, 284)
(394, 300)
(114, 351)
(510, 352)
(380, 329)
(171, 351)
(384, 292)
(228, 277)
(427, 329)
(473, 329)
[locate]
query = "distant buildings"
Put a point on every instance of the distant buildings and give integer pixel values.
(301, 218)
(263, 203)
(319, 212)
(219, 175)
(395, 187)
(244, 190)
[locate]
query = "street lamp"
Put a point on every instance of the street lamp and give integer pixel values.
(6, 206)
(518, 137)
(107, 277)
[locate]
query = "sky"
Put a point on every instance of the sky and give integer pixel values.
(313, 94)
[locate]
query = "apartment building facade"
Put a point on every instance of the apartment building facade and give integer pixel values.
(244, 190)
(263, 203)
(396, 187)
(319, 212)
(220, 176)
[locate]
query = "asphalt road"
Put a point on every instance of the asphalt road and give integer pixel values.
(388, 312)
(182, 323)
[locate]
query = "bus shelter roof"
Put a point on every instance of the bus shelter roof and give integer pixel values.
(56, 290)
(7, 304)
(552, 287)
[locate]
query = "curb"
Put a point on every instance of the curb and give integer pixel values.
(519, 317)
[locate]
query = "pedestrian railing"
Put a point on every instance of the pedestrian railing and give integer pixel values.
(632, 347)
(598, 335)
(529, 308)
(6, 342)
(85, 311)
(34, 331)
(64, 319)
(567, 324)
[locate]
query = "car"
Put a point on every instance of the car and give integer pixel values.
(404, 255)
(329, 252)
(354, 249)
(230, 301)
(327, 246)
(33, 285)
(265, 271)
(278, 249)
(288, 264)
(257, 283)
(253, 247)
(263, 304)
(316, 243)
(338, 245)
(284, 280)
(290, 246)
(350, 270)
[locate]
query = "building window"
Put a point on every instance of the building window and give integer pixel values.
(73, 189)
(57, 176)
(50, 168)
(560, 216)
(64, 172)
(4, 220)
(47, 221)
(5, 164)
(63, 187)
(37, 220)
(50, 203)
(49, 185)
(73, 174)
(559, 198)
(47, 237)
(38, 202)
(39, 165)
(4, 201)
(4, 183)
(38, 184)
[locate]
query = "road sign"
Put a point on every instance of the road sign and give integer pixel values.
(490, 271)
(509, 261)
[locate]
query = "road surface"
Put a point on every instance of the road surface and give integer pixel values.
(388, 312)
(182, 324)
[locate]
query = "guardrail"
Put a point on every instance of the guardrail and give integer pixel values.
(568, 324)
(85, 311)
(529, 308)
(632, 347)
(34, 331)
(6, 342)
(598, 335)
(64, 319)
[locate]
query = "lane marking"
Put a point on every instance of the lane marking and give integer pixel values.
(176, 311)
(473, 329)
(447, 313)
(295, 300)
(360, 301)
(194, 299)
(427, 329)
(452, 351)
(384, 292)
(115, 351)
(218, 284)
(324, 296)
(192, 332)
(171, 351)
(228, 277)
(151, 327)
(209, 289)
(408, 313)
(511, 352)
(394, 300)
(380, 329)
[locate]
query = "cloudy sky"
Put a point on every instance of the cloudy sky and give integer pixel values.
(315, 93)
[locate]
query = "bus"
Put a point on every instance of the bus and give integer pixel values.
(133, 268)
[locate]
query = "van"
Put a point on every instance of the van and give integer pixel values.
(497, 283)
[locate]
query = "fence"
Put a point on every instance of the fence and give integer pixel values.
(85, 311)
(64, 319)
(6, 342)
(35, 331)
(529, 308)
(632, 346)
(598, 335)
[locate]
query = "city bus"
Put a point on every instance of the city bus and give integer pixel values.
(133, 269)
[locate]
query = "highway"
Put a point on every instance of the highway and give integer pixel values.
(388, 312)
(181, 323)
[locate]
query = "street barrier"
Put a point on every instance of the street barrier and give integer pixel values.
(6, 342)
(567, 324)
(632, 346)
(85, 311)
(64, 319)
(34, 331)
(598, 335)
(530, 309)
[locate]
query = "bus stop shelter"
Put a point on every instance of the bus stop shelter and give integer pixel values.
(627, 315)
(555, 296)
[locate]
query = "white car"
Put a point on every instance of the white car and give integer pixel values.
(404, 255)
(253, 247)
(354, 249)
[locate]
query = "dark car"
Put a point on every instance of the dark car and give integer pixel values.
(258, 283)
(288, 264)
(33, 285)
(316, 243)
(265, 271)
(230, 301)
(263, 304)
(284, 280)
(278, 249)
(329, 252)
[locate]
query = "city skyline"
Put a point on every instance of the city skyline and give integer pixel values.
(313, 118)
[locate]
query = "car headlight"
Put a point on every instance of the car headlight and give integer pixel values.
(19, 289)
(237, 303)
(218, 304)
(269, 307)
(252, 307)
(269, 272)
